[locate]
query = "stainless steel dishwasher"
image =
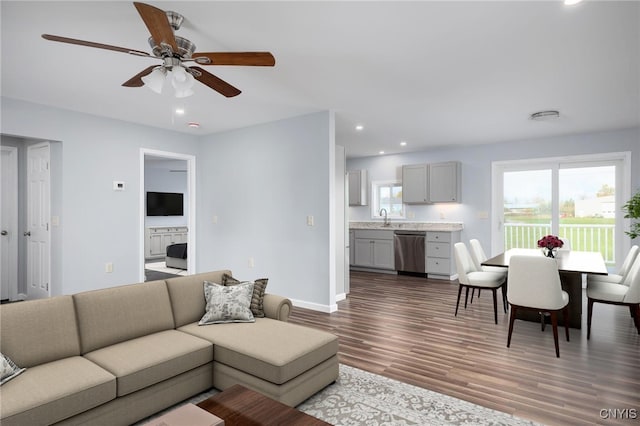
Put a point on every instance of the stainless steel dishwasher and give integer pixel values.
(409, 247)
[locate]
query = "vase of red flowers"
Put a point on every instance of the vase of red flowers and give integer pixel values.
(550, 245)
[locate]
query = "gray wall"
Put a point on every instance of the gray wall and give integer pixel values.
(97, 224)
(261, 183)
(476, 172)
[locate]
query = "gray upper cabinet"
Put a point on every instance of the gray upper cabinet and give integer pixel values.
(444, 182)
(357, 187)
(415, 184)
(431, 183)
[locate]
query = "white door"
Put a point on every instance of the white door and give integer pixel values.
(9, 224)
(37, 234)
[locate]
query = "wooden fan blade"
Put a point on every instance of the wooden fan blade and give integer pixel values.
(158, 24)
(258, 59)
(136, 80)
(93, 44)
(216, 83)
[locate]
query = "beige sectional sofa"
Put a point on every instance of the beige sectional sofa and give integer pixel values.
(117, 355)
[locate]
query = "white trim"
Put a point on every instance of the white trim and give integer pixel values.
(191, 188)
(314, 306)
(340, 297)
(12, 219)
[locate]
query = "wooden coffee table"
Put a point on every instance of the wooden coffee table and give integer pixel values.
(238, 405)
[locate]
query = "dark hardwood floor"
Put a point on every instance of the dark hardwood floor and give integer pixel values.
(403, 327)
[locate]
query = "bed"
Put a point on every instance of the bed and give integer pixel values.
(176, 256)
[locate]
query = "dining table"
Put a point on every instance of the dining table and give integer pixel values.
(571, 266)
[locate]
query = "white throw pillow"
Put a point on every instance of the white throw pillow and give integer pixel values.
(8, 369)
(227, 304)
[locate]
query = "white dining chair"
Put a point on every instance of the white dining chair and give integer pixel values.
(621, 274)
(470, 277)
(479, 256)
(625, 293)
(534, 284)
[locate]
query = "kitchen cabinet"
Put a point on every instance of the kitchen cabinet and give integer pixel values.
(374, 249)
(357, 187)
(415, 184)
(431, 183)
(444, 182)
(157, 239)
(440, 261)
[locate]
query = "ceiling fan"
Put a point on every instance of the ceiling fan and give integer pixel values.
(175, 51)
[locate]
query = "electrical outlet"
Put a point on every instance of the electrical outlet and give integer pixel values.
(411, 215)
(310, 220)
(215, 219)
(108, 267)
(251, 262)
(442, 216)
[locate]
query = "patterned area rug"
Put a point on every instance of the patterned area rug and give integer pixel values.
(362, 398)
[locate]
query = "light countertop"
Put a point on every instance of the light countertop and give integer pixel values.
(409, 226)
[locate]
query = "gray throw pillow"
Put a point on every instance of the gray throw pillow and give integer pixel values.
(257, 299)
(227, 304)
(8, 369)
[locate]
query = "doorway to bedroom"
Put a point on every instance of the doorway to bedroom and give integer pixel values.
(167, 208)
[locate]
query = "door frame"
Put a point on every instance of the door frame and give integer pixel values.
(10, 177)
(191, 219)
(623, 192)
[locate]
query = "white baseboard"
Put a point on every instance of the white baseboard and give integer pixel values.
(341, 296)
(314, 306)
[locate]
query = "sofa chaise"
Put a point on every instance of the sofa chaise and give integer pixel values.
(117, 355)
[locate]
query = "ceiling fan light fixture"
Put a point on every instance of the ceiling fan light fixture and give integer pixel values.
(155, 79)
(182, 81)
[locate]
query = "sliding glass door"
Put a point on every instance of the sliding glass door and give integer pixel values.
(576, 198)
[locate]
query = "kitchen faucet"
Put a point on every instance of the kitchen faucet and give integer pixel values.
(386, 219)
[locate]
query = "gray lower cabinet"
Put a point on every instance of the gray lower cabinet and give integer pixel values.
(440, 261)
(374, 249)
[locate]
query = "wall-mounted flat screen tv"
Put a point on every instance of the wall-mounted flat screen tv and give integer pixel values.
(165, 204)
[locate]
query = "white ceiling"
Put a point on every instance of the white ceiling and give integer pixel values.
(429, 73)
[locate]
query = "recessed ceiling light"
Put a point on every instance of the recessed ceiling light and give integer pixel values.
(359, 127)
(180, 111)
(403, 143)
(193, 124)
(545, 115)
(381, 152)
(571, 2)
